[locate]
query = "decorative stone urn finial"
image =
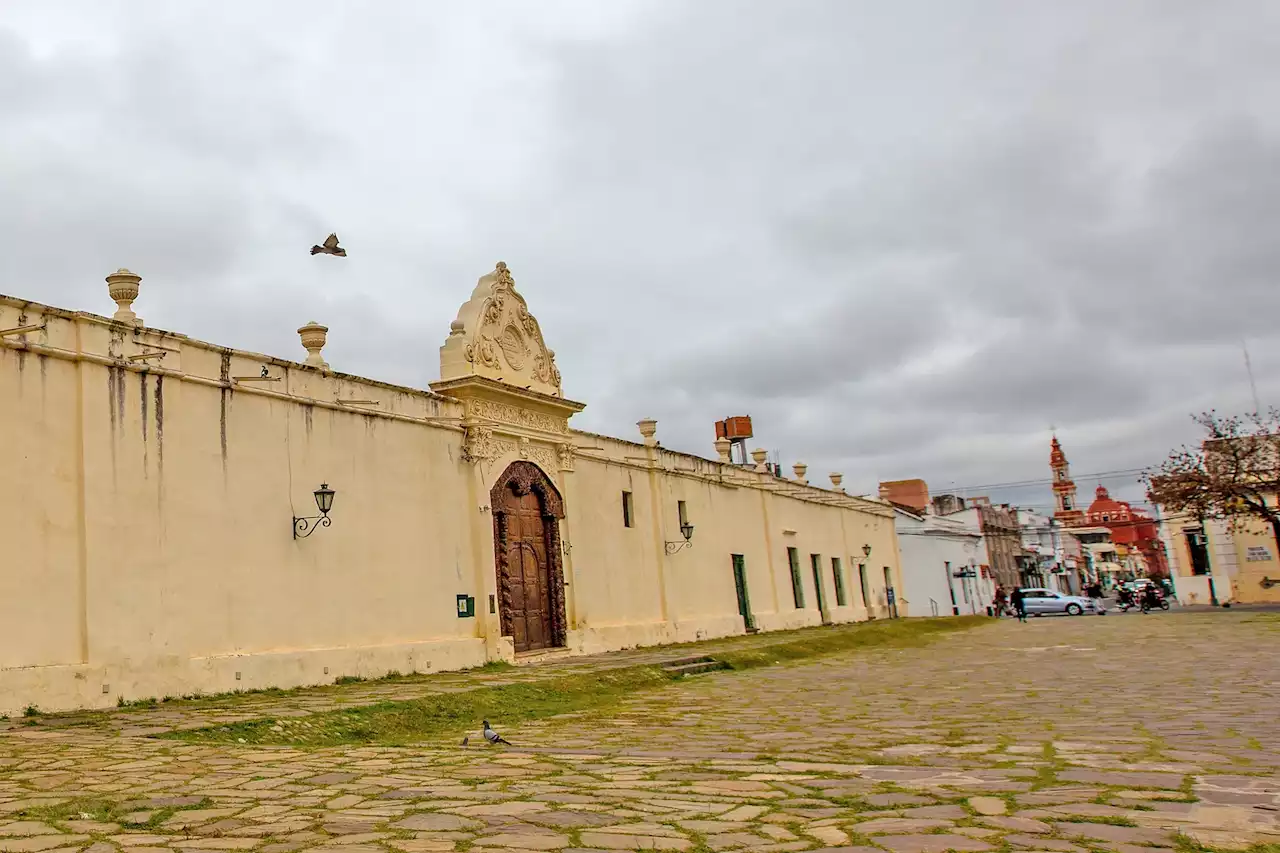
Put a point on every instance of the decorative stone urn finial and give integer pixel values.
(800, 468)
(722, 449)
(123, 287)
(836, 480)
(759, 455)
(648, 429)
(313, 337)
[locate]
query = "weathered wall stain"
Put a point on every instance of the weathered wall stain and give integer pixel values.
(224, 372)
(224, 393)
(142, 387)
(160, 426)
(113, 377)
(22, 354)
(111, 396)
(120, 374)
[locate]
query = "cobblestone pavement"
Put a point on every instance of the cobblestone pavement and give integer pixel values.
(1119, 734)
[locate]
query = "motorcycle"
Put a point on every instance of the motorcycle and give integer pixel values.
(1125, 600)
(1145, 600)
(1152, 599)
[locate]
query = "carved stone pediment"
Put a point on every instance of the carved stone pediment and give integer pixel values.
(481, 445)
(496, 364)
(495, 337)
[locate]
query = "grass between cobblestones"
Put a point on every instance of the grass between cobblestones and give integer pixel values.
(436, 715)
(108, 811)
(1186, 844)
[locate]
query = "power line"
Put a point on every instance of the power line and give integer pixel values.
(1046, 481)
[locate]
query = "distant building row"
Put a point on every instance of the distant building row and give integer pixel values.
(955, 550)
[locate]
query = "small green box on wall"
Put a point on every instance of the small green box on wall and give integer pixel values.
(466, 606)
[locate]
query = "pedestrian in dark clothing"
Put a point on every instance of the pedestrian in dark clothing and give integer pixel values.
(1000, 601)
(1019, 604)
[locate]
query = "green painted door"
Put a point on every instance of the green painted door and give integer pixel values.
(815, 562)
(740, 584)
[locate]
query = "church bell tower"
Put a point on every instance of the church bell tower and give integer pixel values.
(1064, 490)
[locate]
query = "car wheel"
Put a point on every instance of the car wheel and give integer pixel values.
(1074, 609)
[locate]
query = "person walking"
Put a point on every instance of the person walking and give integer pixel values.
(1019, 604)
(1001, 601)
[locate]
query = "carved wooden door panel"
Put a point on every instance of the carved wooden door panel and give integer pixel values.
(528, 572)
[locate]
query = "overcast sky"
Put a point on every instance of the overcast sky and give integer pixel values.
(905, 237)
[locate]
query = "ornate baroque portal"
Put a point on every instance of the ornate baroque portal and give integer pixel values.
(497, 365)
(526, 543)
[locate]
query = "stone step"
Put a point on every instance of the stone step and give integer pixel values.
(541, 656)
(696, 667)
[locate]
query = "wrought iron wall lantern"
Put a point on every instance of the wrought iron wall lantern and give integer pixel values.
(686, 530)
(866, 551)
(304, 526)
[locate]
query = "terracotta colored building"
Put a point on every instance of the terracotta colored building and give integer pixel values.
(1129, 527)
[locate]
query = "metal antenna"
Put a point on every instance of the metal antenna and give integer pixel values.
(1253, 386)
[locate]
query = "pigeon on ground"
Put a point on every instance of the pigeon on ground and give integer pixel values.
(330, 247)
(492, 736)
(466, 740)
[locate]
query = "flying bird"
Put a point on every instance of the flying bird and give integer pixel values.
(492, 736)
(330, 247)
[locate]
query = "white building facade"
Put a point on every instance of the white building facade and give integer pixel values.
(1051, 550)
(945, 568)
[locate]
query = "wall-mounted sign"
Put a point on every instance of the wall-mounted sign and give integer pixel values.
(1258, 554)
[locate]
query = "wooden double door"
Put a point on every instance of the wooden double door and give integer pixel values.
(527, 549)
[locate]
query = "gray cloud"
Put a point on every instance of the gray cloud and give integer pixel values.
(906, 238)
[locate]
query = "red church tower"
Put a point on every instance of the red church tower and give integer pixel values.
(1064, 490)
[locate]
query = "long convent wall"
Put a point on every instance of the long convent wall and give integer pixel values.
(148, 485)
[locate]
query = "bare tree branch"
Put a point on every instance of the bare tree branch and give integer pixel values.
(1229, 476)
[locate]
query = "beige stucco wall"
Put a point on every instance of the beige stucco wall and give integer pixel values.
(1236, 577)
(1258, 580)
(146, 508)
